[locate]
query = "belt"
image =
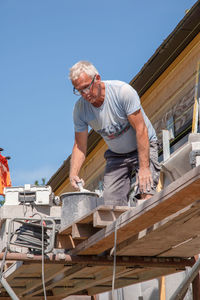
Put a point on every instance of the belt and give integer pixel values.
(110, 153)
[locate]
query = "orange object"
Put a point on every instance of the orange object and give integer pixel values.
(4, 174)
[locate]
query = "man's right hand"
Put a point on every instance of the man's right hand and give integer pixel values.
(74, 179)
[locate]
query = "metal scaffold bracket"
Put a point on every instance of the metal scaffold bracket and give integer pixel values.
(8, 288)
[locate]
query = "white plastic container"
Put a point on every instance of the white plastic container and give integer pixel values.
(29, 194)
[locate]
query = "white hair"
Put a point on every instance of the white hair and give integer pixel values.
(80, 67)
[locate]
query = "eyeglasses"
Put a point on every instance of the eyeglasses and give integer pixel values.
(85, 90)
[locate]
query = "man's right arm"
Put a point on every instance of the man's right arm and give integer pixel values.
(78, 156)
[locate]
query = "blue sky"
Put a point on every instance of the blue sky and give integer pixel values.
(40, 41)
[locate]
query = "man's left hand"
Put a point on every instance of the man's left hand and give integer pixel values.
(145, 180)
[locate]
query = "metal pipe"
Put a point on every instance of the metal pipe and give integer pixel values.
(180, 292)
(128, 261)
(8, 289)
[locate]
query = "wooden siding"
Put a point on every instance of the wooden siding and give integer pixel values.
(172, 94)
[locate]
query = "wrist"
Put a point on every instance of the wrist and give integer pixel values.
(144, 167)
(72, 178)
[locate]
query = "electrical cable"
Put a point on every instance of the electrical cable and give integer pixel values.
(33, 236)
(43, 278)
(114, 261)
(43, 242)
(30, 235)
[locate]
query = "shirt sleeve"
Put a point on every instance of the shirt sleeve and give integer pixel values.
(129, 99)
(80, 124)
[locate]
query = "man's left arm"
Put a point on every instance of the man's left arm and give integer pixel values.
(144, 175)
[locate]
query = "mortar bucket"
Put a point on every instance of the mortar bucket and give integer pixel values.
(76, 205)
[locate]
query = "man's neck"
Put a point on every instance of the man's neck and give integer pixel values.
(100, 96)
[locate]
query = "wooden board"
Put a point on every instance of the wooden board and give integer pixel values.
(68, 278)
(101, 277)
(27, 277)
(162, 237)
(77, 279)
(172, 199)
(130, 279)
(188, 248)
(62, 279)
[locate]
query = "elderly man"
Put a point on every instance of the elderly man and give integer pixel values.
(112, 108)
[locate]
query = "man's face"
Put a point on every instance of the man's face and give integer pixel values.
(87, 86)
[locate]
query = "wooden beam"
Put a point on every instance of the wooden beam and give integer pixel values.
(103, 218)
(65, 242)
(65, 260)
(82, 231)
(110, 212)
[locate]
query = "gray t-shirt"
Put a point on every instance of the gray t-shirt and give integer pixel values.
(110, 119)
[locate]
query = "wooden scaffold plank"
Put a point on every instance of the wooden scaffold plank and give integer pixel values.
(172, 199)
(165, 236)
